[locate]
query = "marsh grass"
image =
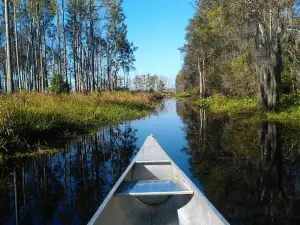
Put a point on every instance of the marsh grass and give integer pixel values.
(221, 105)
(37, 152)
(288, 111)
(289, 115)
(183, 95)
(26, 116)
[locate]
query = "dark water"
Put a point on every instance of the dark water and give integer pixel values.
(250, 172)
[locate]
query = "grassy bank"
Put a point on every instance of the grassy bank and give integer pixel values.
(222, 105)
(183, 95)
(31, 116)
(288, 111)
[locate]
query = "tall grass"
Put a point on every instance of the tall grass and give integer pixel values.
(221, 105)
(183, 95)
(26, 115)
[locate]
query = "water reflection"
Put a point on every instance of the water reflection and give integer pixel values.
(68, 187)
(250, 172)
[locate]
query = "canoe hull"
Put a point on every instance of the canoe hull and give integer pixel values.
(152, 163)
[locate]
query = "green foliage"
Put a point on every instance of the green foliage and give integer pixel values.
(58, 85)
(235, 77)
(288, 76)
(194, 91)
(214, 36)
(289, 100)
(289, 109)
(289, 116)
(221, 35)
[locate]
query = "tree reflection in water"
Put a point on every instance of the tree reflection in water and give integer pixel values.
(250, 172)
(67, 187)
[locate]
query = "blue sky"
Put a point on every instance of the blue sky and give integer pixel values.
(157, 28)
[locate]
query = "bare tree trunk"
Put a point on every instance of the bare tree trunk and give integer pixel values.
(91, 45)
(200, 78)
(74, 61)
(271, 160)
(41, 71)
(77, 59)
(101, 71)
(53, 65)
(108, 66)
(42, 85)
(34, 59)
(268, 63)
(97, 71)
(36, 65)
(58, 37)
(124, 77)
(70, 76)
(9, 78)
(28, 67)
(204, 78)
(81, 70)
(23, 187)
(16, 199)
(289, 14)
(65, 43)
(45, 72)
(75, 66)
(28, 70)
(115, 73)
(87, 59)
(17, 46)
(269, 139)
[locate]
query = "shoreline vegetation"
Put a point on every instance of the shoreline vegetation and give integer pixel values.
(32, 117)
(219, 105)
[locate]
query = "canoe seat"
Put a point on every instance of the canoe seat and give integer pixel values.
(154, 187)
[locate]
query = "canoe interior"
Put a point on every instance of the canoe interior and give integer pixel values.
(171, 198)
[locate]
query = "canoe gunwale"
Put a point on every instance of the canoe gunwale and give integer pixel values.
(197, 191)
(111, 193)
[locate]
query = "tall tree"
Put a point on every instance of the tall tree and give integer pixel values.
(16, 44)
(9, 77)
(119, 52)
(64, 42)
(229, 41)
(45, 39)
(269, 27)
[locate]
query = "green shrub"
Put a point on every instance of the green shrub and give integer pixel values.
(58, 85)
(289, 100)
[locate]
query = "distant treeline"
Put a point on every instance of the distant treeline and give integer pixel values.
(64, 44)
(149, 83)
(242, 48)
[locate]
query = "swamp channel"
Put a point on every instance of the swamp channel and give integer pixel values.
(249, 171)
